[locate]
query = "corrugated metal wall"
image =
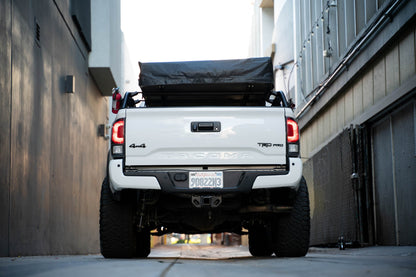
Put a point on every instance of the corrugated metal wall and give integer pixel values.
(394, 171)
(362, 93)
(332, 26)
(52, 160)
(382, 77)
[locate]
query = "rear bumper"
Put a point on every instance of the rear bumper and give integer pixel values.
(119, 181)
(234, 180)
(290, 180)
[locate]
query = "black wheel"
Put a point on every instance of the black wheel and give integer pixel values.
(118, 235)
(259, 241)
(292, 231)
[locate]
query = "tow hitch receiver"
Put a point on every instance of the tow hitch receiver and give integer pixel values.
(206, 201)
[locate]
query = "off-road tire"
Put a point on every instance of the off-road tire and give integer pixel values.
(143, 244)
(118, 235)
(259, 241)
(292, 231)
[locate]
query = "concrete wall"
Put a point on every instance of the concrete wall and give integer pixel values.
(255, 32)
(272, 35)
(267, 24)
(52, 160)
(105, 60)
(283, 40)
(261, 29)
(5, 118)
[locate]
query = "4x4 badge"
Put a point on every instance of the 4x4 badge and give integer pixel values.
(133, 145)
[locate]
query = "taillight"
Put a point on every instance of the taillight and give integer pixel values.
(117, 139)
(292, 137)
(117, 136)
(292, 130)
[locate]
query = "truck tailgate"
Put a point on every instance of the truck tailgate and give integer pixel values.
(205, 136)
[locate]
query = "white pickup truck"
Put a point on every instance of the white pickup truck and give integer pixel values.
(212, 149)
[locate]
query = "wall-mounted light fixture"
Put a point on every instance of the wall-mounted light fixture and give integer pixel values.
(70, 84)
(103, 131)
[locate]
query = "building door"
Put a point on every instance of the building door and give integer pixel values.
(394, 177)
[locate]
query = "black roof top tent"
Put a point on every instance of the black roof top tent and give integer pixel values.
(243, 82)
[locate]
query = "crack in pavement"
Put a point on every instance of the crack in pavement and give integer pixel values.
(164, 272)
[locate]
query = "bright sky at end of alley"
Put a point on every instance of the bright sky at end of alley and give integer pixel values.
(183, 30)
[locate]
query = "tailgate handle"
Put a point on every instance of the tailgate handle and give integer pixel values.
(206, 126)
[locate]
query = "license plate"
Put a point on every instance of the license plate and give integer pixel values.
(206, 180)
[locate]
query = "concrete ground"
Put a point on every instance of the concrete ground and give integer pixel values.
(215, 261)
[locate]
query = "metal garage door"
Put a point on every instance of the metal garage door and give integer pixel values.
(394, 177)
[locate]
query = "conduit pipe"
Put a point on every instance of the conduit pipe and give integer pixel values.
(346, 60)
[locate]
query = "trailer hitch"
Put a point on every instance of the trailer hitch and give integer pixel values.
(201, 201)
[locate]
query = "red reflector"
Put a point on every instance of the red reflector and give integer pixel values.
(292, 130)
(118, 132)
